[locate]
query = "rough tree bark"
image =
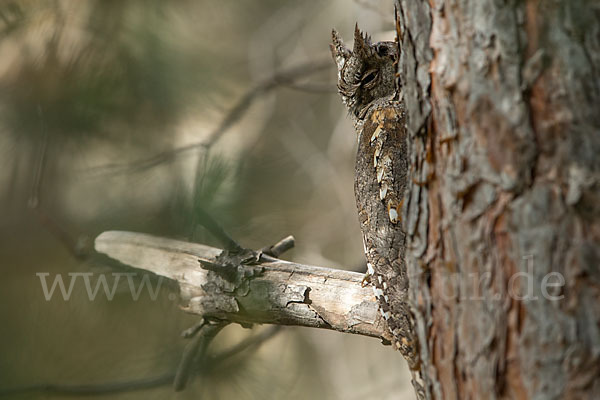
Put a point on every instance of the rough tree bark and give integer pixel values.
(503, 100)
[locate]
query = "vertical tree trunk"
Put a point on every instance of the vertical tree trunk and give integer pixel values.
(503, 216)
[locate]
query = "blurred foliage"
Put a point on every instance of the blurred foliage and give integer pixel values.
(115, 68)
(86, 84)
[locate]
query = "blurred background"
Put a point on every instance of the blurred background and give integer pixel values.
(122, 115)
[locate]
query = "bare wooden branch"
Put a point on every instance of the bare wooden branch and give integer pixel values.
(284, 293)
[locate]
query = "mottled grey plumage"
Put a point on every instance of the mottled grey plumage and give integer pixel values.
(368, 86)
(366, 75)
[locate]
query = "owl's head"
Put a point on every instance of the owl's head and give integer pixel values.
(366, 73)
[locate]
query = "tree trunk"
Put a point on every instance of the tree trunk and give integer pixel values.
(503, 216)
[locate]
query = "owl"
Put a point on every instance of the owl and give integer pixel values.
(368, 86)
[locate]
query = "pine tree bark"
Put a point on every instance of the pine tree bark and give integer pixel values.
(503, 212)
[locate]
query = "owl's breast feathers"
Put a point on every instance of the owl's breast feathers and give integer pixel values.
(380, 181)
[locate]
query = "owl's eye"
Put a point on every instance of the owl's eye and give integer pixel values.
(368, 79)
(382, 51)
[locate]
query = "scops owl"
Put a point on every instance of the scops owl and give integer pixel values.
(368, 86)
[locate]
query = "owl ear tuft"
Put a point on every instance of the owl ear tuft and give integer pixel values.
(337, 46)
(362, 43)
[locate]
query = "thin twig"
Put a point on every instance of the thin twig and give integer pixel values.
(34, 197)
(93, 389)
(195, 352)
(79, 248)
(285, 77)
(252, 342)
(211, 225)
(193, 330)
(312, 87)
(280, 247)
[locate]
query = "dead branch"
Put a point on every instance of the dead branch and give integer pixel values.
(283, 293)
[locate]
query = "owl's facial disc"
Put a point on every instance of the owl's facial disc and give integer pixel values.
(366, 73)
